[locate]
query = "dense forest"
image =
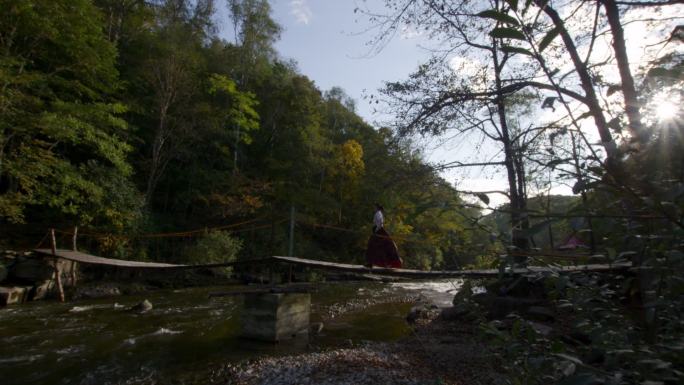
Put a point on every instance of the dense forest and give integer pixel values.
(135, 121)
(131, 118)
(136, 125)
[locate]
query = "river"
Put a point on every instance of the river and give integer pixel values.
(187, 333)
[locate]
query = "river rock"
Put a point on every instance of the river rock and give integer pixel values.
(542, 329)
(417, 312)
(464, 294)
(32, 270)
(142, 307)
(8, 257)
(41, 290)
(454, 313)
(14, 294)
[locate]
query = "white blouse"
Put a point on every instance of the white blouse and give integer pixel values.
(378, 219)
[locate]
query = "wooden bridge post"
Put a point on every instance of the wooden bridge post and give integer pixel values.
(73, 263)
(275, 316)
(58, 274)
(73, 239)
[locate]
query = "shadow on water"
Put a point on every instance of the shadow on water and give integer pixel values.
(101, 341)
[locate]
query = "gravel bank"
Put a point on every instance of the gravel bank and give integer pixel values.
(376, 364)
(438, 352)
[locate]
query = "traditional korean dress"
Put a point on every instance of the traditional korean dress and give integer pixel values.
(381, 250)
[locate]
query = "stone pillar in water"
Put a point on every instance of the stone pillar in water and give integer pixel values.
(276, 316)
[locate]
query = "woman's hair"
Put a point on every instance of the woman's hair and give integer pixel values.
(379, 206)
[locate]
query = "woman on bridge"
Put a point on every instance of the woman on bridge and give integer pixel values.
(381, 250)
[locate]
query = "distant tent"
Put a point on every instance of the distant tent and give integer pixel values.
(573, 242)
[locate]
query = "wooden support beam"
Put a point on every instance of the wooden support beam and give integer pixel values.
(74, 263)
(58, 274)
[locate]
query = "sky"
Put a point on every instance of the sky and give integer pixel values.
(330, 44)
(328, 40)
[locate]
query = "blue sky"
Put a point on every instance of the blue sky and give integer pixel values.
(327, 40)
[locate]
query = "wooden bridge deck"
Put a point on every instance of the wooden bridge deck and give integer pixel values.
(408, 273)
(95, 260)
(360, 269)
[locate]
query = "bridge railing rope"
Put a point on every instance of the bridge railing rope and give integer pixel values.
(258, 224)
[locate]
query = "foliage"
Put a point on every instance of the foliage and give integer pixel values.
(62, 137)
(213, 247)
(543, 230)
(609, 335)
(240, 106)
(133, 117)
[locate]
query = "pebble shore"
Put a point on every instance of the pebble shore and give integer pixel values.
(438, 352)
(375, 364)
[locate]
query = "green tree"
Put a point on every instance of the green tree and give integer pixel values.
(63, 143)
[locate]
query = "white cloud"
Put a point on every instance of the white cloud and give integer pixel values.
(301, 11)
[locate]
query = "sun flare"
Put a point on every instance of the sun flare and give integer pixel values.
(666, 111)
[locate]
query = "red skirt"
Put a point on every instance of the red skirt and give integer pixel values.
(382, 251)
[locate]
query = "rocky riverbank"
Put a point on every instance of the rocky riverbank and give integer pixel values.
(534, 330)
(439, 351)
(447, 345)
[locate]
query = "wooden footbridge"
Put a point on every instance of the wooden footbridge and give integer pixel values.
(84, 258)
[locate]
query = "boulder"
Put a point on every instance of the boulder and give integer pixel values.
(417, 312)
(142, 307)
(465, 292)
(42, 290)
(541, 329)
(455, 313)
(32, 270)
(13, 294)
(8, 257)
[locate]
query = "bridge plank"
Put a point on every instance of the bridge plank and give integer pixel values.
(359, 269)
(95, 260)
(445, 273)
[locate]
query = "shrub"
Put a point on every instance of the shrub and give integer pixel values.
(214, 247)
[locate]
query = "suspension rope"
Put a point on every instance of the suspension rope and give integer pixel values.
(332, 227)
(42, 240)
(179, 234)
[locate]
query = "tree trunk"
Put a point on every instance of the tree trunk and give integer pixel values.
(518, 215)
(587, 85)
(632, 104)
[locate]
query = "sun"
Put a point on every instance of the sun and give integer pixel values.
(665, 111)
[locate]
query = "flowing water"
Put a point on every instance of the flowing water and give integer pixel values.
(183, 337)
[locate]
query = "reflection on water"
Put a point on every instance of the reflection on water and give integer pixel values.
(100, 341)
